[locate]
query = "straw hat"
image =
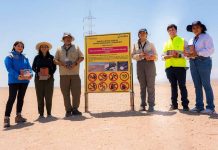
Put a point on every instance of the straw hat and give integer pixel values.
(43, 43)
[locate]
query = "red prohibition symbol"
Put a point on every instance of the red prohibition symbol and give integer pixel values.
(113, 76)
(124, 76)
(92, 77)
(102, 77)
(92, 86)
(124, 86)
(113, 86)
(102, 86)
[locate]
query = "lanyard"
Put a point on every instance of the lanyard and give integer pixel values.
(195, 40)
(67, 50)
(142, 46)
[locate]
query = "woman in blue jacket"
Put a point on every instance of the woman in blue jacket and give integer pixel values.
(19, 74)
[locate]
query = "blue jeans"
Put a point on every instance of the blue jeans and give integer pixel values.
(200, 71)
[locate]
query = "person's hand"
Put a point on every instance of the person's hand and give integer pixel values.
(29, 78)
(192, 53)
(24, 78)
(73, 66)
(191, 48)
(142, 55)
(20, 77)
(150, 57)
(153, 57)
(175, 54)
(186, 53)
(61, 63)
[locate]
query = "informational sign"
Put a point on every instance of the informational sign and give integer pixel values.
(108, 63)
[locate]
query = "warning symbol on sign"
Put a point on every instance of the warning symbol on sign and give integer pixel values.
(92, 86)
(113, 86)
(102, 86)
(92, 77)
(113, 76)
(124, 86)
(102, 76)
(124, 76)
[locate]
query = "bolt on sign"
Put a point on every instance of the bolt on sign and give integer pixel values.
(108, 66)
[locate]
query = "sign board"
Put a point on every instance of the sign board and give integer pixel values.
(108, 66)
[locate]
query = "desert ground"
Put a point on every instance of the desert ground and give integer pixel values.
(111, 125)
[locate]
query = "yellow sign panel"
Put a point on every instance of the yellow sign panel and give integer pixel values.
(108, 63)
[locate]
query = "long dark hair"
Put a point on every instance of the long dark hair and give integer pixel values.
(16, 43)
(41, 54)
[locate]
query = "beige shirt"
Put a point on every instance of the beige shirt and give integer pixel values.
(148, 47)
(73, 55)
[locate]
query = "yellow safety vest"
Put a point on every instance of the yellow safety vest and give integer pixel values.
(178, 44)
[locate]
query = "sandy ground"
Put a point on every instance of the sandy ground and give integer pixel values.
(110, 125)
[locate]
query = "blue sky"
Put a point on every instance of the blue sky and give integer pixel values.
(46, 20)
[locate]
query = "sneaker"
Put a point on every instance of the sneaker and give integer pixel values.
(76, 112)
(142, 108)
(68, 114)
(49, 116)
(207, 111)
(173, 108)
(6, 122)
(185, 108)
(151, 109)
(195, 110)
(41, 117)
(20, 119)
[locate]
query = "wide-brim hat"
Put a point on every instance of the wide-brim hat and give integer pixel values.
(43, 43)
(67, 35)
(189, 27)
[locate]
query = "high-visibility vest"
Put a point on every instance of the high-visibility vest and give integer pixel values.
(177, 44)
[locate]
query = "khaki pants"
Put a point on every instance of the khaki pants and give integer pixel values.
(44, 92)
(146, 72)
(70, 83)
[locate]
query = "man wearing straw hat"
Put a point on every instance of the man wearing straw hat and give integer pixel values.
(69, 57)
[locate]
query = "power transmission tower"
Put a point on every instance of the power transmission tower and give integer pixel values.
(88, 24)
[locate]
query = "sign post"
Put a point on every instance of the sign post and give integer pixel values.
(108, 65)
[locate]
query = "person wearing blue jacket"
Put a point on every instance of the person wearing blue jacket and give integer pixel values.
(19, 75)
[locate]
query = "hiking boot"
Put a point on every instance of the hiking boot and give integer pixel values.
(173, 108)
(68, 114)
(20, 119)
(6, 122)
(76, 112)
(151, 109)
(185, 108)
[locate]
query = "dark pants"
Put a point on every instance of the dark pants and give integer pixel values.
(15, 90)
(200, 71)
(146, 73)
(177, 76)
(44, 92)
(71, 84)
